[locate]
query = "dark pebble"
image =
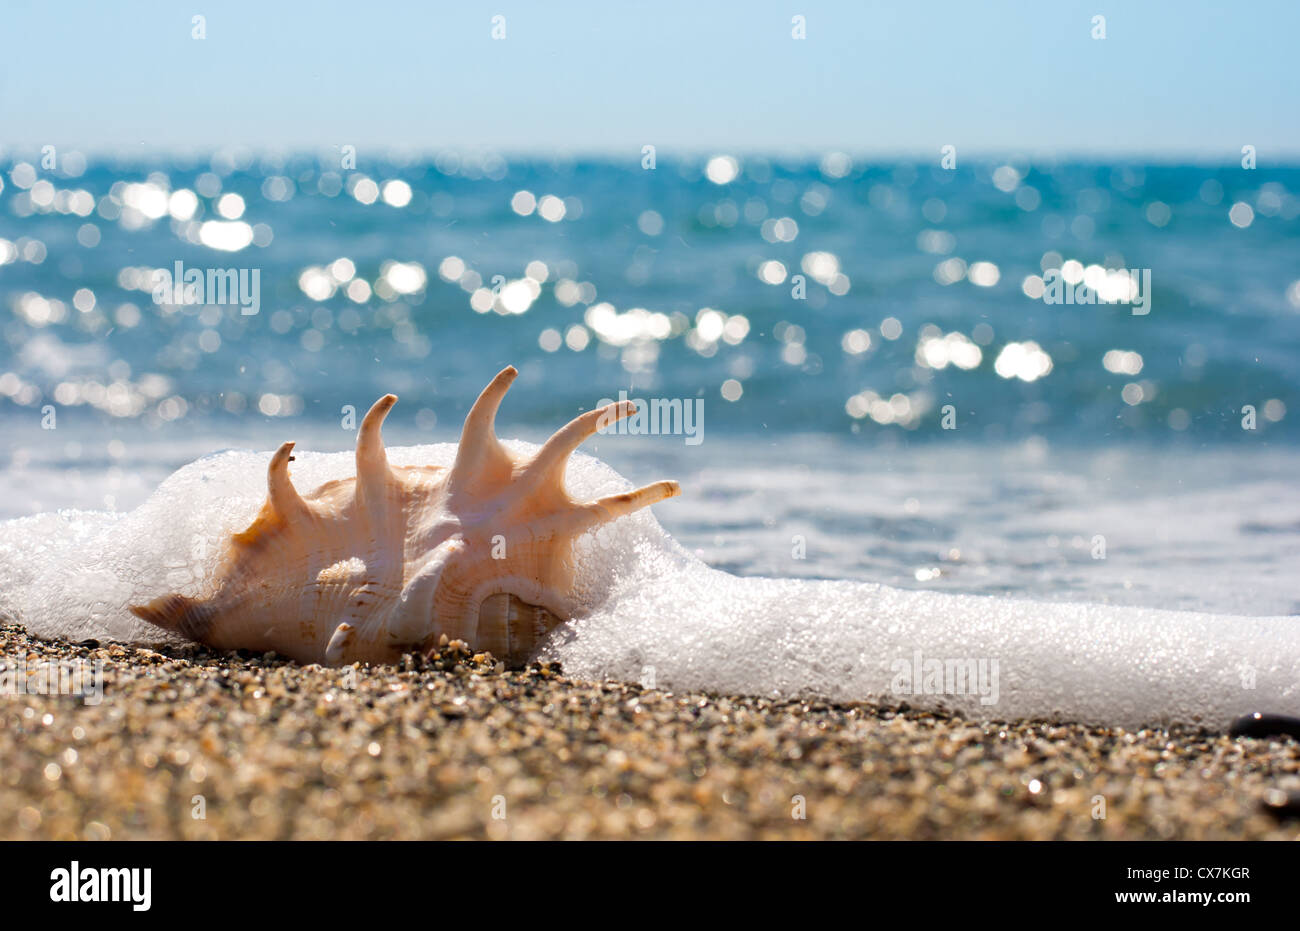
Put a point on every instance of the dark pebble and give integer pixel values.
(1265, 725)
(1281, 805)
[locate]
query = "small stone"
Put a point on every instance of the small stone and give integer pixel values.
(1281, 805)
(1262, 725)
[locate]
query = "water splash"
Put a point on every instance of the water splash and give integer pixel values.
(667, 617)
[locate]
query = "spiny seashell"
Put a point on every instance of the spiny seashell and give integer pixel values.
(403, 559)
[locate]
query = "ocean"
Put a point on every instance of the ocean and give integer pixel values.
(1047, 380)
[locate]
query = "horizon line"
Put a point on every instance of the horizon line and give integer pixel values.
(1286, 158)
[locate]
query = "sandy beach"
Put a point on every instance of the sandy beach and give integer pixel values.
(456, 747)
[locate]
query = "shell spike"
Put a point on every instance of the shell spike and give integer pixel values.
(283, 497)
(480, 458)
(584, 517)
(339, 642)
(372, 461)
(612, 507)
(179, 614)
(551, 459)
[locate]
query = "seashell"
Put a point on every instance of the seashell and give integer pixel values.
(403, 559)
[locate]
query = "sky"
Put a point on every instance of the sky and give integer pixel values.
(1170, 79)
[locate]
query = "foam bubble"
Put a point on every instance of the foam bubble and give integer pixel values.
(658, 613)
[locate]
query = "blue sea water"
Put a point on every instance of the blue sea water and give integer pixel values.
(825, 397)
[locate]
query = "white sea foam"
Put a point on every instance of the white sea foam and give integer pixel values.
(669, 617)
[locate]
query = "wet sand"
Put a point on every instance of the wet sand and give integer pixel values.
(456, 747)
